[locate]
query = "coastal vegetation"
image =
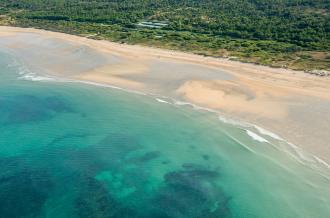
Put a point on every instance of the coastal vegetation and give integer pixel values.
(292, 34)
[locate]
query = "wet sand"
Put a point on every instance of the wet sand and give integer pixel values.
(294, 105)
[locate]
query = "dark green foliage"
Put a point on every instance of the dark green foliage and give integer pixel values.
(260, 31)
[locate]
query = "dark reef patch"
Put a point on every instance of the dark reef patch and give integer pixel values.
(23, 190)
(95, 201)
(113, 149)
(148, 156)
(205, 157)
(27, 108)
(191, 192)
(165, 162)
(108, 154)
(118, 145)
(67, 136)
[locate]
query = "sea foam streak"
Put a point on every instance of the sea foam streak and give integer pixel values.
(34, 77)
(162, 101)
(256, 137)
(267, 133)
(248, 125)
(25, 73)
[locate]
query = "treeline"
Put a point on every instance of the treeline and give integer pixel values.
(285, 25)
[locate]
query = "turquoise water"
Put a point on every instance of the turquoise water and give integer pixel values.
(75, 150)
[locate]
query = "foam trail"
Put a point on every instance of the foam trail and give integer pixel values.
(322, 162)
(162, 101)
(106, 86)
(256, 137)
(196, 107)
(268, 133)
(233, 122)
(33, 77)
(239, 142)
(247, 125)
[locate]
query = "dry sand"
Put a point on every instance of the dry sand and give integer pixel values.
(293, 104)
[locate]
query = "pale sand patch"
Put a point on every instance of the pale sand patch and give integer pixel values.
(230, 97)
(113, 80)
(125, 67)
(111, 74)
(7, 33)
(17, 45)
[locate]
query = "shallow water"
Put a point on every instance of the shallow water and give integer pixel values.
(75, 150)
(54, 55)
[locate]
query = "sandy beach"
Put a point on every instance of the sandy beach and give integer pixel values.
(292, 104)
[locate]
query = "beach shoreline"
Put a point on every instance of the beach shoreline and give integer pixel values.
(293, 104)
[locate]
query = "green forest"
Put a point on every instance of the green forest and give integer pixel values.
(292, 34)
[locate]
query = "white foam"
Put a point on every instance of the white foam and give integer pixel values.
(34, 77)
(256, 137)
(234, 122)
(104, 85)
(194, 106)
(247, 125)
(239, 142)
(25, 74)
(322, 162)
(268, 133)
(162, 101)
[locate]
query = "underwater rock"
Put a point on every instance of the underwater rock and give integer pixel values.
(205, 157)
(191, 192)
(23, 191)
(148, 156)
(95, 201)
(27, 108)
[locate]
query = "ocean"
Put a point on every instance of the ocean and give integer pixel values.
(69, 149)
